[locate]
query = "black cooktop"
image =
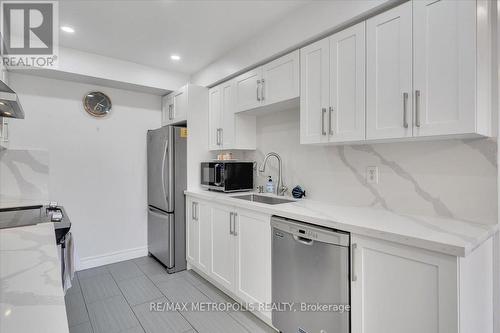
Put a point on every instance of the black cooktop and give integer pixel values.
(29, 215)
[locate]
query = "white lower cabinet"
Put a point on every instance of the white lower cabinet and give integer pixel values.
(232, 247)
(253, 257)
(223, 246)
(198, 234)
(397, 288)
(394, 288)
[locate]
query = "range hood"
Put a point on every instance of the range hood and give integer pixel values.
(9, 103)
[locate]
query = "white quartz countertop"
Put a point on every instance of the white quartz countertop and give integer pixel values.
(448, 236)
(31, 294)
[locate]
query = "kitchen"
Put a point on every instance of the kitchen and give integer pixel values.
(375, 121)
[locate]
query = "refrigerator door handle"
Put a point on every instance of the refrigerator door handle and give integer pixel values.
(163, 174)
(170, 170)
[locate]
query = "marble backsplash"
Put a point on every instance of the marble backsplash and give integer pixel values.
(446, 178)
(24, 174)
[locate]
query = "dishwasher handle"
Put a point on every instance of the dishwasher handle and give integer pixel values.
(303, 240)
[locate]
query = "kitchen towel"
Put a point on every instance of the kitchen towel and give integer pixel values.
(68, 269)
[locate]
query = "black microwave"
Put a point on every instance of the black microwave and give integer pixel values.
(227, 176)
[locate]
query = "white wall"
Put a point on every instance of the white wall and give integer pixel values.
(96, 167)
(449, 178)
(308, 22)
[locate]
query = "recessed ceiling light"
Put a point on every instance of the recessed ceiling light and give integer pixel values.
(175, 57)
(65, 28)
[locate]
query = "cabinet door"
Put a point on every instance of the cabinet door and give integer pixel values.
(180, 104)
(222, 247)
(399, 288)
(253, 262)
(204, 224)
(346, 120)
(444, 35)
(192, 231)
(389, 74)
(248, 90)
(227, 101)
(214, 118)
(314, 92)
(280, 79)
(166, 110)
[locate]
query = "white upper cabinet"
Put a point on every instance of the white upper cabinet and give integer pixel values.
(346, 119)
(227, 139)
(332, 90)
(180, 104)
(270, 84)
(248, 90)
(280, 79)
(314, 91)
(427, 64)
(444, 70)
(389, 74)
(175, 106)
(214, 118)
(228, 130)
(166, 109)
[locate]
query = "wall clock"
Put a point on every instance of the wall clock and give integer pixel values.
(97, 103)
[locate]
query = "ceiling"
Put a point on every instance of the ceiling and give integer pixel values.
(148, 32)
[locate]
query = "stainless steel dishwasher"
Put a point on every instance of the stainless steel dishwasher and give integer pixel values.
(310, 268)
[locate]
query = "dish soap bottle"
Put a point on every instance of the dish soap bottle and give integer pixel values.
(270, 185)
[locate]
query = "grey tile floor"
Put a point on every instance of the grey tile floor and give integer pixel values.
(116, 299)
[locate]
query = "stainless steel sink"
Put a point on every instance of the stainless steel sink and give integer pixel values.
(263, 199)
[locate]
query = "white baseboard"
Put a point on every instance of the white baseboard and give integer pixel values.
(111, 258)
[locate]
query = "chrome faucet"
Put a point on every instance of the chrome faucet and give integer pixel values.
(280, 188)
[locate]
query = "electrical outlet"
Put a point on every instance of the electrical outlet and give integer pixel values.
(372, 175)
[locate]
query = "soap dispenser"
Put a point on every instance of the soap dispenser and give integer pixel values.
(269, 185)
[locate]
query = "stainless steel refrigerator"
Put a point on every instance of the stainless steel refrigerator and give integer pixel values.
(166, 200)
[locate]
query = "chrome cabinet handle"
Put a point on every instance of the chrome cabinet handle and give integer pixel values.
(195, 207)
(217, 137)
(170, 111)
(258, 88)
(221, 136)
(262, 90)
(354, 278)
(231, 223)
(4, 130)
(417, 108)
(323, 112)
(405, 111)
(193, 214)
(235, 233)
(330, 129)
